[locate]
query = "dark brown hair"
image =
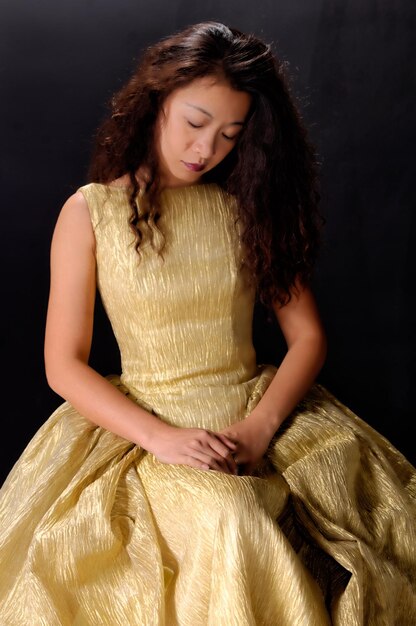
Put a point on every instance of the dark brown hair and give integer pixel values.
(272, 169)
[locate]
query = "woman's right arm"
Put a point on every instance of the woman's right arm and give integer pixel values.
(68, 337)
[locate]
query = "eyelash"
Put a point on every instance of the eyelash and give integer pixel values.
(200, 126)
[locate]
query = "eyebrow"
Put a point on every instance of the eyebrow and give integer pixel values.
(194, 106)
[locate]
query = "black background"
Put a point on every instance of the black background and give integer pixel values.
(352, 66)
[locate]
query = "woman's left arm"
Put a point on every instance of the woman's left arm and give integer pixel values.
(305, 337)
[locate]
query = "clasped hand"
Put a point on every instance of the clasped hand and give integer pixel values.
(236, 449)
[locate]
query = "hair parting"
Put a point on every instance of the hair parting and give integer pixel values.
(272, 170)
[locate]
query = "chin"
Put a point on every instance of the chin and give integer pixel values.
(187, 178)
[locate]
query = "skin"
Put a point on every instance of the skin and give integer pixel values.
(198, 124)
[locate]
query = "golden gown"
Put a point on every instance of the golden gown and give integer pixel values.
(96, 531)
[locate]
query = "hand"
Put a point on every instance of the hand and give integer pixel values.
(252, 436)
(196, 447)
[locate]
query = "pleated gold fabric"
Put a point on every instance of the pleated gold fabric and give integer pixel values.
(96, 531)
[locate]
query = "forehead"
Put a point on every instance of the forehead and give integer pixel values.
(213, 95)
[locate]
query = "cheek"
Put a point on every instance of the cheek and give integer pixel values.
(226, 149)
(179, 137)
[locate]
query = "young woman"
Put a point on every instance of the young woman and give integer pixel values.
(200, 487)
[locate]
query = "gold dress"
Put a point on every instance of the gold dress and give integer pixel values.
(96, 531)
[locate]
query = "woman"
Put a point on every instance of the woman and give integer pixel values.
(200, 487)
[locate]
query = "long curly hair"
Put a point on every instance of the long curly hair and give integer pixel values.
(272, 171)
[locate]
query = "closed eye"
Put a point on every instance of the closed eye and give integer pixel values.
(227, 137)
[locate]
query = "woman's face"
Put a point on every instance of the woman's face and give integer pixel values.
(198, 126)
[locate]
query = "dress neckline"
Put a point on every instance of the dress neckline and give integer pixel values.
(166, 190)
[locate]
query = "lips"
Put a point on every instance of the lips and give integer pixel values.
(194, 167)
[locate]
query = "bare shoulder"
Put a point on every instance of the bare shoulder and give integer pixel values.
(76, 203)
(74, 221)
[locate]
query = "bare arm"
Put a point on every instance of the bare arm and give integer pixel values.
(69, 327)
(68, 336)
(305, 337)
(306, 342)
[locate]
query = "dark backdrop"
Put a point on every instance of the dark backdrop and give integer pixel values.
(352, 63)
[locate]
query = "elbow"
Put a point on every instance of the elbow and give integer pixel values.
(315, 344)
(319, 345)
(53, 377)
(59, 373)
(52, 360)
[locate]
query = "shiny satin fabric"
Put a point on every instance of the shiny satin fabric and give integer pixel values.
(95, 530)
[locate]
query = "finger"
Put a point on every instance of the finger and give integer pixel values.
(211, 447)
(227, 440)
(220, 446)
(225, 453)
(221, 467)
(210, 461)
(231, 465)
(204, 462)
(194, 462)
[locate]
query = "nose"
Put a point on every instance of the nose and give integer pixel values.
(205, 146)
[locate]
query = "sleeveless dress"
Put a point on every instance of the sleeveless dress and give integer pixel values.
(95, 530)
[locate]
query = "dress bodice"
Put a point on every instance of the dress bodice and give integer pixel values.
(184, 320)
